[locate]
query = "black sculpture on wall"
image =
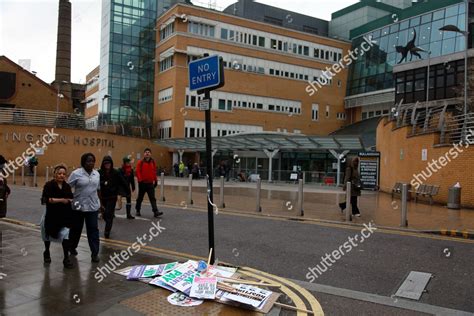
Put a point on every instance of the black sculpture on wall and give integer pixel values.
(410, 48)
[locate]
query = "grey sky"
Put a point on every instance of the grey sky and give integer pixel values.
(28, 30)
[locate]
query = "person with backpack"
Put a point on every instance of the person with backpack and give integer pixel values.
(112, 184)
(4, 188)
(147, 182)
(352, 175)
(127, 173)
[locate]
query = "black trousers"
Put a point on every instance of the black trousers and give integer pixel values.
(355, 209)
(149, 189)
(109, 212)
(92, 227)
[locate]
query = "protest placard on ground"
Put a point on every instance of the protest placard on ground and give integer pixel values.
(182, 277)
(179, 299)
(204, 288)
(247, 294)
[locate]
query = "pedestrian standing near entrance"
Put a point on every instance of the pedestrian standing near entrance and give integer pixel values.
(127, 173)
(176, 169)
(147, 182)
(181, 169)
(112, 184)
(86, 205)
(352, 175)
(57, 220)
(4, 188)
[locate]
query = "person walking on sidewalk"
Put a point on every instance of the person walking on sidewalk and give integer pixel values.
(111, 185)
(127, 173)
(147, 182)
(4, 188)
(86, 205)
(352, 175)
(181, 169)
(56, 221)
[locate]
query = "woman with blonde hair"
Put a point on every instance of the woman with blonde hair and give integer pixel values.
(57, 220)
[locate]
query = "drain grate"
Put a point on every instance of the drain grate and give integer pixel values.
(414, 285)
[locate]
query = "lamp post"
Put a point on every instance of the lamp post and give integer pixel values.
(428, 80)
(453, 28)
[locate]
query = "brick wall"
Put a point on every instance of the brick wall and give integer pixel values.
(401, 159)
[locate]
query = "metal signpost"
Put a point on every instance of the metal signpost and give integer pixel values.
(207, 74)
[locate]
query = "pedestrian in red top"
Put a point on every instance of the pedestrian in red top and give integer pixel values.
(147, 182)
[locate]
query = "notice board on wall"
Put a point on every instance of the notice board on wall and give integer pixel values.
(369, 170)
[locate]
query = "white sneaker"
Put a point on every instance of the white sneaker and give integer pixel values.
(357, 215)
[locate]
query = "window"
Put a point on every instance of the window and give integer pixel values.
(166, 63)
(315, 112)
(261, 41)
(316, 53)
(167, 31)
(201, 29)
(224, 33)
(341, 116)
(221, 105)
(327, 111)
(165, 95)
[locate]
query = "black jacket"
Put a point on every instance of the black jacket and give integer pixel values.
(130, 179)
(58, 215)
(112, 183)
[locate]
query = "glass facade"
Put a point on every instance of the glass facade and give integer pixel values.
(127, 62)
(374, 70)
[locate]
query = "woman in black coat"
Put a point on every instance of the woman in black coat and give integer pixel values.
(4, 188)
(112, 184)
(57, 220)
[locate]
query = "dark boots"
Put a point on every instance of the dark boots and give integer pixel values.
(129, 210)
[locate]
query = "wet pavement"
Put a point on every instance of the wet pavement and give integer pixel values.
(28, 286)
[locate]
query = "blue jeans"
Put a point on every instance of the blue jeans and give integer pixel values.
(92, 227)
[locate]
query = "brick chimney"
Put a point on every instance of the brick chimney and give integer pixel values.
(63, 49)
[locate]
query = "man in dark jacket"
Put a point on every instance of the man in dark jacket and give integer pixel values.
(127, 173)
(112, 184)
(4, 189)
(147, 182)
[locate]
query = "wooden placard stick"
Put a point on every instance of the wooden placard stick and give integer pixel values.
(209, 258)
(242, 281)
(294, 308)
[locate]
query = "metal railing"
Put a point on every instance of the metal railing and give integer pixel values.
(446, 119)
(41, 118)
(31, 117)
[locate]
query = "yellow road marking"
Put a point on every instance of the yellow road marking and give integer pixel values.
(315, 306)
(298, 302)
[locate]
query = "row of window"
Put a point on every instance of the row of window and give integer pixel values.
(166, 63)
(165, 95)
(225, 101)
(261, 66)
(282, 43)
(202, 29)
(315, 113)
(370, 114)
(197, 129)
(167, 31)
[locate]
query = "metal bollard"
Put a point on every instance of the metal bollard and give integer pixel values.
(348, 202)
(404, 220)
(221, 195)
(190, 190)
(300, 197)
(47, 174)
(259, 188)
(35, 179)
(162, 187)
(23, 174)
